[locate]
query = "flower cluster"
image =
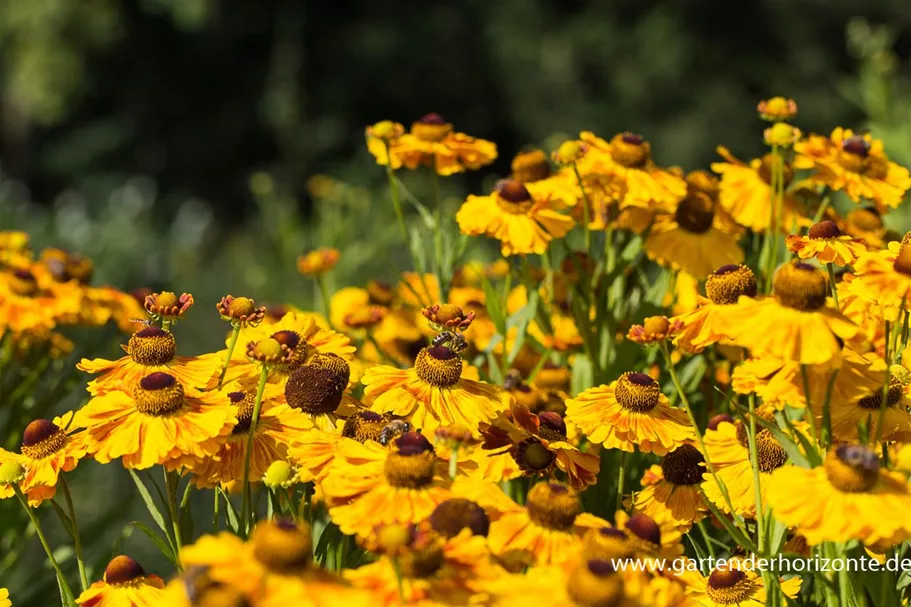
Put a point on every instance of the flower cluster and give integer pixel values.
(662, 365)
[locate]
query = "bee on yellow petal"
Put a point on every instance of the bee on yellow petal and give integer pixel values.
(159, 421)
(125, 584)
(855, 164)
(852, 491)
(522, 223)
(827, 244)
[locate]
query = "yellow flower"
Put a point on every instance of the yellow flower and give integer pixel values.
(160, 421)
(628, 414)
(49, 448)
(855, 164)
(167, 305)
(379, 136)
(708, 323)
(795, 324)
(777, 109)
(782, 135)
(693, 238)
(733, 584)
(4, 598)
(884, 276)
(547, 530)
(523, 223)
(651, 537)
(826, 243)
(371, 486)
(25, 306)
(125, 584)
(538, 444)
(433, 393)
(627, 161)
(241, 311)
(746, 193)
(149, 350)
(849, 497)
(318, 262)
(299, 333)
(433, 142)
(672, 491)
(727, 449)
(277, 426)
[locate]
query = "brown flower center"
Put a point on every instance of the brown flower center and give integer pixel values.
(769, 452)
(315, 390)
(645, 528)
(852, 468)
(533, 457)
(903, 261)
(630, 150)
(152, 347)
(551, 426)
(594, 583)
(513, 197)
(531, 166)
(438, 366)
(299, 348)
(23, 283)
(875, 400)
(606, 543)
(683, 466)
(695, 213)
(423, 560)
(42, 438)
(431, 127)
(365, 425)
(824, 229)
(637, 392)
(728, 283)
(158, 395)
(122, 570)
(801, 286)
(244, 402)
(728, 586)
(553, 505)
(282, 546)
(454, 515)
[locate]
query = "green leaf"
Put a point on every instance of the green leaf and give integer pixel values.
(522, 318)
(149, 502)
(231, 511)
(583, 374)
(495, 306)
(64, 519)
(161, 544)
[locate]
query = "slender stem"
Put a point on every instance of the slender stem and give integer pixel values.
(885, 394)
(822, 208)
(831, 270)
(708, 540)
(216, 519)
(247, 515)
(438, 234)
(453, 461)
(396, 197)
(324, 294)
(77, 541)
(757, 487)
(66, 594)
(689, 411)
(235, 333)
(586, 205)
(398, 578)
(171, 481)
(620, 477)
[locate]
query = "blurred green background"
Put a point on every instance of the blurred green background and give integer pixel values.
(176, 142)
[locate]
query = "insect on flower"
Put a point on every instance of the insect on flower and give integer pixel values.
(393, 430)
(455, 340)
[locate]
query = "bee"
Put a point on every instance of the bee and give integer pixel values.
(513, 379)
(393, 430)
(456, 341)
(148, 322)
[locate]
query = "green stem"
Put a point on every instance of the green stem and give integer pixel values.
(324, 294)
(235, 333)
(808, 409)
(165, 324)
(171, 482)
(620, 477)
(396, 198)
(689, 411)
(77, 541)
(831, 270)
(754, 464)
(247, 515)
(708, 540)
(438, 234)
(585, 210)
(216, 519)
(822, 208)
(885, 394)
(398, 578)
(66, 594)
(453, 462)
